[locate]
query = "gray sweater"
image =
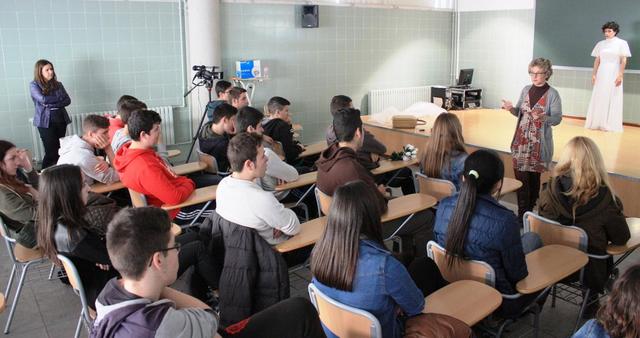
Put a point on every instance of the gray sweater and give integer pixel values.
(553, 110)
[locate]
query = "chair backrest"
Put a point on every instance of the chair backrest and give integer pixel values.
(344, 320)
(18, 252)
(138, 200)
(435, 187)
(323, 200)
(76, 284)
(552, 232)
(212, 164)
(462, 270)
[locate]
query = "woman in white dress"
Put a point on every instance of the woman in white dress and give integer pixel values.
(605, 108)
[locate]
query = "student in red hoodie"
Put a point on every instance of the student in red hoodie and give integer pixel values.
(142, 170)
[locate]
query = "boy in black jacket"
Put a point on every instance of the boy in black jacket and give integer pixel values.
(279, 128)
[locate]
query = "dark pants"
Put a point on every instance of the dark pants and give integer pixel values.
(403, 179)
(529, 192)
(194, 252)
(186, 214)
(51, 141)
(294, 317)
(414, 234)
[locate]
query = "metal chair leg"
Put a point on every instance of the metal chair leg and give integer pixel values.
(78, 327)
(585, 300)
(53, 266)
(536, 321)
(25, 267)
(200, 213)
(553, 296)
(10, 283)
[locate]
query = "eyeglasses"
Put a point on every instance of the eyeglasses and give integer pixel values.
(176, 247)
(536, 74)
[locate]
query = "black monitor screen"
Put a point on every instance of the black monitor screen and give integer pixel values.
(465, 77)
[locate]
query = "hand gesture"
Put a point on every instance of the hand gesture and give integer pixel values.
(507, 105)
(102, 165)
(618, 80)
(23, 160)
(277, 233)
(101, 141)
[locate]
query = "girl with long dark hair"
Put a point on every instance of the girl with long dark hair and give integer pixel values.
(51, 118)
(18, 194)
(351, 264)
(473, 225)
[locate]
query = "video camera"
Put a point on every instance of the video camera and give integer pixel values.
(206, 74)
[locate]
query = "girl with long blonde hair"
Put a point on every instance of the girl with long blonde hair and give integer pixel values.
(444, 153)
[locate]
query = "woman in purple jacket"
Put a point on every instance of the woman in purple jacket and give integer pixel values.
(50, 117)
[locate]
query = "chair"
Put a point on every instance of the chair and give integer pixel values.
(324, 202)
(21, 257)
(435, 187)
(344, 320)
(482, 272)
(552, 232)
(212, 164)
(138, 200)
(76, 283)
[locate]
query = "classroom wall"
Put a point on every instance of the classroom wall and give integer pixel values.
(100, 50)
(353, 51)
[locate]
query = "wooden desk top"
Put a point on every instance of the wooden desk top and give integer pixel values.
(632, 243)
(407, 205)
(313, 149)
(550, 264)
(173, 153)
(479, 300)
(509, 185)
(388, 165)
(311, 231)
(198, 196)
(180, 170)
(175, 229)
(304, 179)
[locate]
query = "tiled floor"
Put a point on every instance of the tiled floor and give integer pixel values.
(50, 309)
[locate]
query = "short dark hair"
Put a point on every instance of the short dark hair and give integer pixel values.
(345, 123)
(340, 101)
(142, 120)
(242, 147)
(134, 235)
(222, 86)
(124, 98)
(129, 107)
(94, 122)
(248, 117)
(611, 25)
(223, 110)
(235, 93)
(277, 103)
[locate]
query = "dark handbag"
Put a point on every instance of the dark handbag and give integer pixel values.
(435, 325)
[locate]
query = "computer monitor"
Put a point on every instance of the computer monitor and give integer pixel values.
(465, 77)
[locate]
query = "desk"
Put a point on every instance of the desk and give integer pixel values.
(303, 180)
(388, 165)
(632, 244)
(180, 170)
(173, 153)
(402, 206)
(467, 300)
(198, 196)
(550, 264)
(313, 149)
(509, 185)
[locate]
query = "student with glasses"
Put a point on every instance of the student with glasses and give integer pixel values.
(538, 109)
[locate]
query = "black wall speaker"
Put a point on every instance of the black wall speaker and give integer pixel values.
(310, 16)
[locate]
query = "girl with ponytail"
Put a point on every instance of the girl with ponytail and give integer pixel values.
(473, 225)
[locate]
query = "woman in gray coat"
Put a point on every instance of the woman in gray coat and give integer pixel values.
(538, 109)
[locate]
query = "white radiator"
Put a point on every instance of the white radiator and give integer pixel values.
(75, 127)
(401, 98)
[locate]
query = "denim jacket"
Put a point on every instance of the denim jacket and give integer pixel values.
(49, 107)
(381, 286)
(591, 329)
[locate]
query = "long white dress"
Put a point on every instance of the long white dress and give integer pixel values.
(605, 107)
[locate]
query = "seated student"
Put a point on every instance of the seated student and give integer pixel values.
(222, 93)
(242, 201)
(142, 170)
(279, 128)
(579, 194)
(115, 122)
(619, 316)
(81, 151)
(248, 120)
(237, 97)
(18, 193)
(370, 146)
(339, 164)
(144, 251)
(121, 136)
(214, 135)
(351, 264)
(63, 227)
(472, 224)
(444, 153)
